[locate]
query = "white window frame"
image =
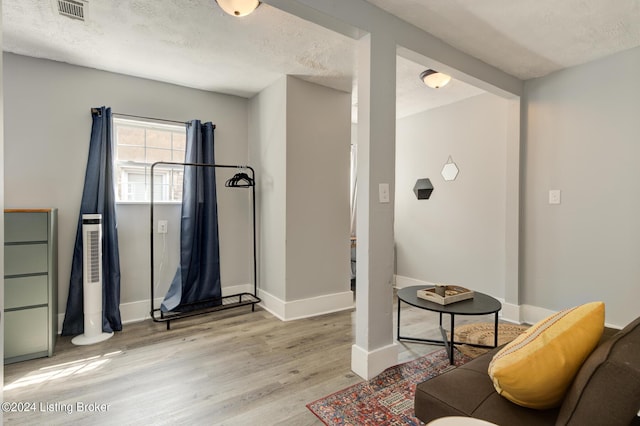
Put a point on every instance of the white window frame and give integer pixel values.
(162, 173)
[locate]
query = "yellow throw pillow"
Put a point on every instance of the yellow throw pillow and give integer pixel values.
(536, 369)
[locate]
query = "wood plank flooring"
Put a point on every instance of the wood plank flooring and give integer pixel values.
(233, 367)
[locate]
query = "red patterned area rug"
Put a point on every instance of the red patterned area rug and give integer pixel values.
(387, 399)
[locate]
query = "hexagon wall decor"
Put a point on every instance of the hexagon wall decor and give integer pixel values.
(423, 189)
(450, 170)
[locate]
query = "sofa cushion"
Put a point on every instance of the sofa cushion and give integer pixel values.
(536, 368)
(468, 391)
(606, 389)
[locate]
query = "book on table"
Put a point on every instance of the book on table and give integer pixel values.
(452, 294)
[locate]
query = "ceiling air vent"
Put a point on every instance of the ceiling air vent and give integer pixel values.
(72, 9)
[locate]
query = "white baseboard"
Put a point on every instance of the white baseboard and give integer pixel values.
(518, 314)
(60, 321)
(402, 282)
(532, 314)
(368, 364)
(286, 311)
(305, 308)
(137, 311)
(131, 312)
(509, 312)
(272, 304)
(235, 289)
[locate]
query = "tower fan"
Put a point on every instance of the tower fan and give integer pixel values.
(92, 281)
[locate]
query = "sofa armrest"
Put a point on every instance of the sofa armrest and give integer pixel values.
(606, 389)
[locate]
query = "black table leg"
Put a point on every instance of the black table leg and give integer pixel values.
(448, 343)
(445, 341)
(398, 324)
(482, 305)
(495, 332)
(452, 339)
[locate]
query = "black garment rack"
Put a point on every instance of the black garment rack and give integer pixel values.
(226, 302)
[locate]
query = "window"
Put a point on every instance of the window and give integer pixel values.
(139, 144)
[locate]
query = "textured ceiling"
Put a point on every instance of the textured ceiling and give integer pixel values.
(412, 96)
(193, 43)
(526, 38)
(189, 42)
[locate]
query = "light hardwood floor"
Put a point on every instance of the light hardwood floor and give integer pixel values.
(234, 367)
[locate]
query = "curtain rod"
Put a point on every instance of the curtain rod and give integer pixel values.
(97, 111)
(149, 118)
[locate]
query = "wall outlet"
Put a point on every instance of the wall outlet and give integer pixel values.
(554, 196)
(162, 226)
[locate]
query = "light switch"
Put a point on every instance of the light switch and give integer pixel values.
(162, 226)
(554, 196)
(383, 192)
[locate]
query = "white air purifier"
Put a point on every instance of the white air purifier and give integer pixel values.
(92, 281)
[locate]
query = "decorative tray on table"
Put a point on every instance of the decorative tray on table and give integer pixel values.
(452, 293)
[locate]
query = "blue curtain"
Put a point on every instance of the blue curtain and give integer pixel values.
(198, 276)
(97, 197)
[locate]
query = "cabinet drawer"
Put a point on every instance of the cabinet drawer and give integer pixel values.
(25, 227)
(25, 332)
(25, 259)
(25, 291)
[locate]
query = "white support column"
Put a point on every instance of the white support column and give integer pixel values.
(375, 348)
(511, 305)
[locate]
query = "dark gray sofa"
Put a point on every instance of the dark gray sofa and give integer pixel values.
(605, 391)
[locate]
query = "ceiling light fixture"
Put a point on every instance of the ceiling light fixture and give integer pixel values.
(434, 79)
(238, 7)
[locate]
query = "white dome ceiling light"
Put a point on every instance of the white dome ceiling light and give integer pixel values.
(238, 7)
(435, 79)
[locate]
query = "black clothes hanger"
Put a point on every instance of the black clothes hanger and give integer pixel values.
(239, 180)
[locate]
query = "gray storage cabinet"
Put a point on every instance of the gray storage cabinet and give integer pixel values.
(30, 283)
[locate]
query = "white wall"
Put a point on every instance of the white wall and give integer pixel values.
(268, 145)
(47, 133)
(300, 143)
(457, 236)
(582, 137)
(318, 215)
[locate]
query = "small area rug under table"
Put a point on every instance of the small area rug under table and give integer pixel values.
(387, 399)
(481, 333)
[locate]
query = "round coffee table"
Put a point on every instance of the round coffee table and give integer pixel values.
(481, 304)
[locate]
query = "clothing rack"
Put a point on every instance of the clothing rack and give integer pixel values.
(226, 302)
